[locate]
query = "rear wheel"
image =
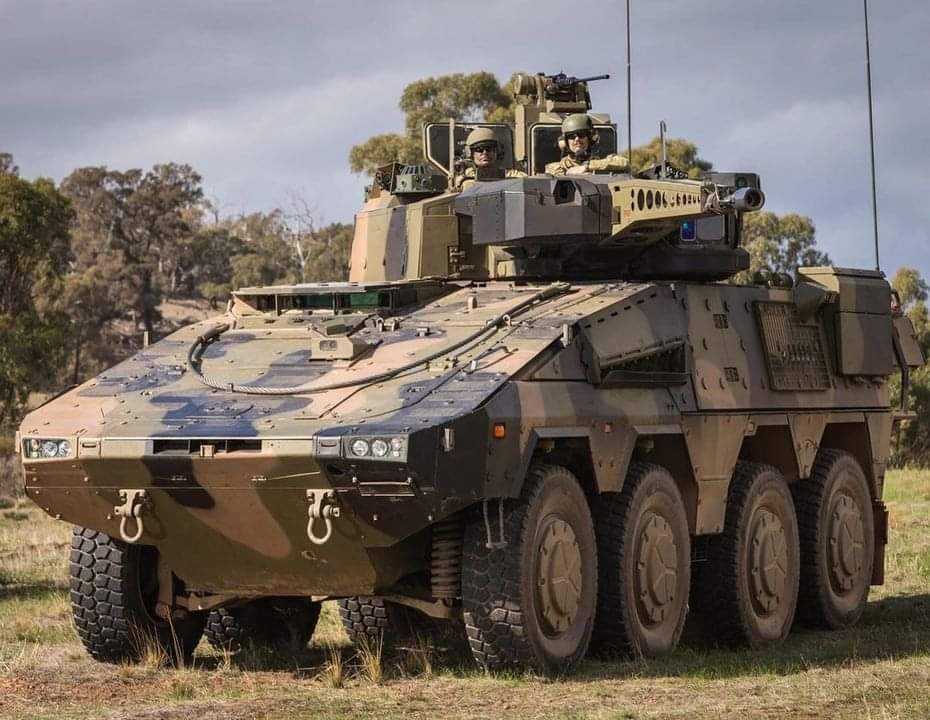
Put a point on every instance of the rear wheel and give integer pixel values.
(276, 623)
(395, 625)
(114, 588)
(532, 602)
(644, 573)
(837, 532)
(752, 571)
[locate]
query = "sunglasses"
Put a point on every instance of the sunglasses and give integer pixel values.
(484, 149)
(576, 135)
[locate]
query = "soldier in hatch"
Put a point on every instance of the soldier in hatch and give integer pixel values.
(577, 144)
(482, 149)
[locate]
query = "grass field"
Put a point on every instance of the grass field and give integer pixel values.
(881, 669)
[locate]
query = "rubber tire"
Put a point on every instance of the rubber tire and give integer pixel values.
(499, 601)
(822, 604)
(367, 618)
(621, 626)
(110, 612)
(727, 599)
(274, 623)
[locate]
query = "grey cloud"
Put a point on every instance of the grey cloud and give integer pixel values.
(263, 98)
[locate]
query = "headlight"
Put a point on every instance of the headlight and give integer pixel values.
(35, 449)
(392, 448)
(360, 448)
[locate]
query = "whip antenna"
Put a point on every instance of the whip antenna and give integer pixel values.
(868, 76)
(629, 95)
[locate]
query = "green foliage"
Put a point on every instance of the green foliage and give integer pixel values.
(214, 292)
(134, 225)
(7, 164)
(911, 446)
(34, 251)
(329, 252)
(464, 97)
(780, 243)
(383, 149)
(275, 250)
(911, 287)
(678, 152)
(467, 98)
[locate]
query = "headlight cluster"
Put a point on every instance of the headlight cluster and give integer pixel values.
(387, 448)
(36, 449)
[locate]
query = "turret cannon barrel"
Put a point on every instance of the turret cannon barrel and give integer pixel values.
(744, 199)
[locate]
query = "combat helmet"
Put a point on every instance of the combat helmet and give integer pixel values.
(578, 122)
(481, 135)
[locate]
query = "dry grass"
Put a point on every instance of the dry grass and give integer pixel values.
(418, 661)
(334, 672)
(880, 669)
(369, 660)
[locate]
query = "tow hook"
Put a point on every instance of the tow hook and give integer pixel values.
(322, 507)
(134, 503)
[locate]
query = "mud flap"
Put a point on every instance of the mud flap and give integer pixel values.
(880, 513)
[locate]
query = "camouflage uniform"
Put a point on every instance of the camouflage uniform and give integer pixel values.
(576, 164)
(467, 178)
(478, 136)
(612, 163)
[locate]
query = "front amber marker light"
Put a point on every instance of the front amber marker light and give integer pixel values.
(500, 431)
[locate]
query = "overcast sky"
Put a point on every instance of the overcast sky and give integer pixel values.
(265, 99)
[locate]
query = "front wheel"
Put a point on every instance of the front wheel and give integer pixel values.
(114, 588)
(532, 602)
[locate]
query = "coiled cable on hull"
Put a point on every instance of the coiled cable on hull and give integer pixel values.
(196, 350)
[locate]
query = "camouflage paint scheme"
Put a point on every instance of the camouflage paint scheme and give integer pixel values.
(250, 503)
(588, 373)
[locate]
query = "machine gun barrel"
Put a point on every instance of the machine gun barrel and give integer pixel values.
(605, 76)
(563, 81)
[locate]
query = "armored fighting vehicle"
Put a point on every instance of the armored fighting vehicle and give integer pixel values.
(538, 414)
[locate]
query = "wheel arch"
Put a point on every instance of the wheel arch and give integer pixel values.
(858, 439)
(598, 456)
(601, 465)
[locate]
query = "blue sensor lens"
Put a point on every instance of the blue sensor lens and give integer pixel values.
(688, 231)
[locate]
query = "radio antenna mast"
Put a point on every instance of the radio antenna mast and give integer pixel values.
(629, 95)
(868, 76)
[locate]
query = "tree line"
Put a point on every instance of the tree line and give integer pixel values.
(88, 265)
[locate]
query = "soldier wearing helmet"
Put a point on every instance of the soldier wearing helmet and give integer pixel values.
(482, 149)
(579, 138)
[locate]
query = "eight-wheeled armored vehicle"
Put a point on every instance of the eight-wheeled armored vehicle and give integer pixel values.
(538, 413)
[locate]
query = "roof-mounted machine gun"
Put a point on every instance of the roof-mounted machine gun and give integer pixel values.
(546, 99)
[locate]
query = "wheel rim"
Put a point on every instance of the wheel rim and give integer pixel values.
(558, 589)
(768, 562)
(846, 536)
(656, 569)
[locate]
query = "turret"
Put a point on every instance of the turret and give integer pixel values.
(654, 225)
(605, 226)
